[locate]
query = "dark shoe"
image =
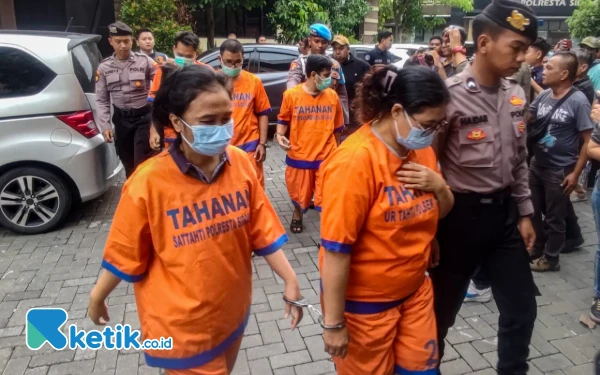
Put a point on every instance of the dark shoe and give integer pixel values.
(543, 265)
(535, 254)
(573, 245)
(595, 313)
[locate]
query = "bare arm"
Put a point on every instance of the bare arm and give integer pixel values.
(583, 156)
(593, 150)
(336, 268)
(263, 127)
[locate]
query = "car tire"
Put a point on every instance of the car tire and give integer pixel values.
(43, 205)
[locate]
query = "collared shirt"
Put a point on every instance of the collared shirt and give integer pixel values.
(377, 56)
(483, 149)
(186, 167)
(124, 83)
(296, 75)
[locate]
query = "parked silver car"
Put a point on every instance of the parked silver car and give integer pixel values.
(51, 153)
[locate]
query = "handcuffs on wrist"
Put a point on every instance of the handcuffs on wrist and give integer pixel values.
(303, 302)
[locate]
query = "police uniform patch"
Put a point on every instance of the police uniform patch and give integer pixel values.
(517, 20)
(516, 101)
(97, 75)
(476, 134)
(521, 127)
(294, 65)
(138, 83)
(367, 57)
(159, 59)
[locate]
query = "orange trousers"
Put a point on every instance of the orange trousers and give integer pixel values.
(302, 185)
(399, 341)
(258, 167)
(221, 365)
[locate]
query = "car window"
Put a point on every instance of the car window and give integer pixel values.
(22, 74)
(275, 61)
(86, 58)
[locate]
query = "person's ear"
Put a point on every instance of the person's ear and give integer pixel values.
(564, 75)
(397, 111)
(176, 122)
(483, 41)
(583, 67)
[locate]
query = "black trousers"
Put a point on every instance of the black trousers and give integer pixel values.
(132, 136)
(550, 201)
(482, 230)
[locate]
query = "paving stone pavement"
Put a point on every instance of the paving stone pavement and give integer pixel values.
(60, 268)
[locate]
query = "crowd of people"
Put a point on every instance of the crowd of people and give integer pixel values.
(445, 181)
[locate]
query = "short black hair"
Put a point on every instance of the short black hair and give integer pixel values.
(143, 30)
(484, 25)
(260, 36)
(232, 45)
(187, 38)
(436, 37)
(570, 62)
(543, 46)
(383, 34)
(317, 64)
(179, 87)
(584, 56)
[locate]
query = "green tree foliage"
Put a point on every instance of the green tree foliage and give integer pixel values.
(585, 20)
(408, 14)
(164, 17)
(294, 17)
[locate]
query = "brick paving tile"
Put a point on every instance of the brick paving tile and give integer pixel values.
(59, 269)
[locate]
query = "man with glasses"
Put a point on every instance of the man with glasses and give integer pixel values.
(250, 106)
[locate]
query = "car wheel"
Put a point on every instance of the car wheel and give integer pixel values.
(32, 200)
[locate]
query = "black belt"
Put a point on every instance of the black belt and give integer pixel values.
(500, 197)
(133, 112)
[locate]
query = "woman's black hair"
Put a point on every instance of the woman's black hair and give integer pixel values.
(179, 87)
(317, 64)
(415, 88)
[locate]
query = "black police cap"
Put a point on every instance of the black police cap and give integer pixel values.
(514, 16)
(119, 29)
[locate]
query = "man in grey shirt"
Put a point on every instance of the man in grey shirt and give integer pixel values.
(558, 158)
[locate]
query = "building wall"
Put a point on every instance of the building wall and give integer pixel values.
(7, 15)
(367, 30)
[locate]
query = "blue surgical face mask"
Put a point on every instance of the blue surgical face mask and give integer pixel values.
(210, 140)
(415, 139)
(231, 72)
(325, 83)
(182, 61)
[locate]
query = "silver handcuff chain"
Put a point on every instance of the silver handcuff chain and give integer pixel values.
(303, 302)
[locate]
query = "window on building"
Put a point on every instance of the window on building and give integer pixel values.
(22, 74)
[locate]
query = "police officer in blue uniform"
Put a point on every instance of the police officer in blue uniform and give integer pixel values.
(380, 55)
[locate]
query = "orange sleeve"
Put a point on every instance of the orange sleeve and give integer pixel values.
(285, 112)
(129, 242)
(346, 200)
(267, 234)
(262, 106)
(339, 116)
(155, 84)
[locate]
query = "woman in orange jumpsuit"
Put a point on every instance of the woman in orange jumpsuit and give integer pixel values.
(187, 224)
(379, 217)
